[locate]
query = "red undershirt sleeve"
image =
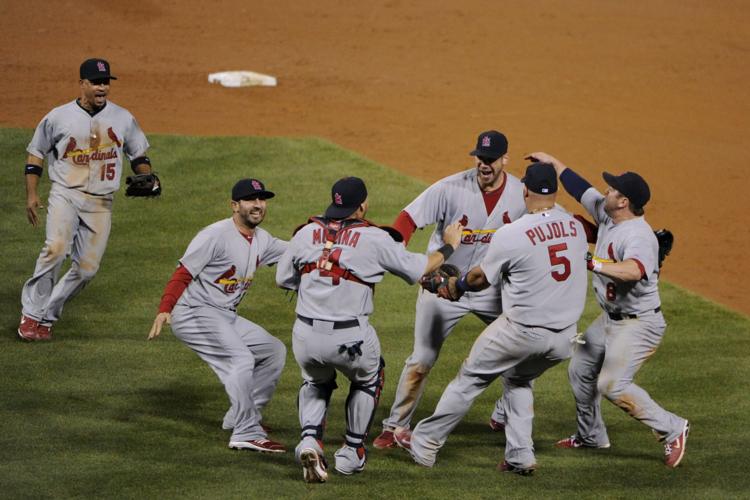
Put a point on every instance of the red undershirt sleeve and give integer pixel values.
(643, 269)
(175, 288)
(588, 226)
(405, 225)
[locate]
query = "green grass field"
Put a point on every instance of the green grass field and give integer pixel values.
(100, 412)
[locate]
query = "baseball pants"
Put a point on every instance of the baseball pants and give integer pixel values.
(606, 365)
(246, 358)
(517, 353)
(321, 350)
(78, 224)
(435, 319)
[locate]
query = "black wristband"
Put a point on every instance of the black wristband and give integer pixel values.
(33, 170)
(446, 250)
(463, 285)
(141, 160)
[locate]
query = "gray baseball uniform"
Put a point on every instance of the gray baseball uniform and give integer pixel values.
(85, 157)
(624, 336)
(332, 331)
(454, 198)
(540, 261)
(245, 357)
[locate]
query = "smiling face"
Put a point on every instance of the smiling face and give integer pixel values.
(249, 213)
(490, 172)
(94, 93)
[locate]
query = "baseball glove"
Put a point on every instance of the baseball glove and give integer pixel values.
(147, 185)
(442, 282)
(666, 240)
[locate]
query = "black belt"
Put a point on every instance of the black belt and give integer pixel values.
(622, 316)
(337, 325)
(553, 330)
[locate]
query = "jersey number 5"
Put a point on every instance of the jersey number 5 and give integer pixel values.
(559, 260)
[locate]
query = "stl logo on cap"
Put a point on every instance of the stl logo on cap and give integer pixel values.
(100, 66)
(486, 141)
(257, 186)
(337, 199)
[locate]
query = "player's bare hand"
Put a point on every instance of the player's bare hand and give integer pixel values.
(161, 318)
(32, 205)
(547, 158)
(452, 234)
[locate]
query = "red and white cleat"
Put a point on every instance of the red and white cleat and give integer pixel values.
(523, 471)
(674, 451)
(574, 442)
(402, 437)
(261, 445)
(384, 441)
(31, 330)
(313, 466)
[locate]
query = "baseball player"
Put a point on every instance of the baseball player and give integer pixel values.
(200, 301)
(84, 142)
(483, 199)
(631, 325)
(541, 260)
(334, 262)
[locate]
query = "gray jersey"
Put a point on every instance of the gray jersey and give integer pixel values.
(223, 263)
(457, 198)
(85, 152)
(631, 239)
(540, 259)
(367, 252)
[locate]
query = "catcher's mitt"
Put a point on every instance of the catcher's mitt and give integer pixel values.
(666, 240)
(442, 282)
(143, 185)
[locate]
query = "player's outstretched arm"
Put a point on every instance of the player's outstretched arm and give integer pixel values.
(451, 237)
(625, 271)
(473, 281)
(161, 318)
(573, 183)
(33, 174)
(542, 157)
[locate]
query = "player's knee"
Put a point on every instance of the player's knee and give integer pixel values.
(243, 366)
(54, 251)
(609, 387)
(278, 355)
(86, 269)
(577, 374)
(421, 362)
(278, 350)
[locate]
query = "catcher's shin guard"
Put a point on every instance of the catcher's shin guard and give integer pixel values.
(361, 405)
(312, 406)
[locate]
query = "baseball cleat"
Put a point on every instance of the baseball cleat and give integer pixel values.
(574, 442)
(523, 471)
(313, 466)
(261, 445)
(402, 438)
(350, 460)
(497, 426)
(44, 331)
(31, 330)
(384, 441)
(674, 451)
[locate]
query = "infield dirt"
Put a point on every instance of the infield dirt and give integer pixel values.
(656, 87)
